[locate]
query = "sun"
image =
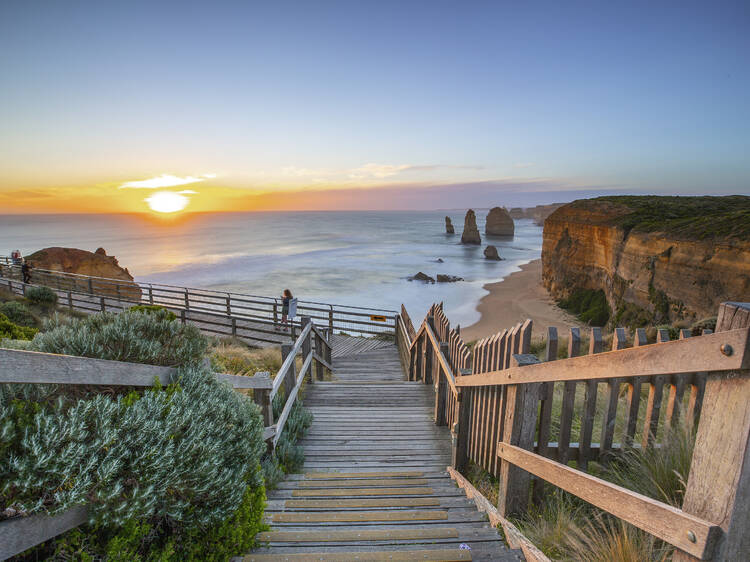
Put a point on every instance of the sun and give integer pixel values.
(167, 202)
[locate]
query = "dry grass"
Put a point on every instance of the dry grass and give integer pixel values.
(236, 358)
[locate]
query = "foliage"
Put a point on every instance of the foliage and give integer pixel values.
(686, 217)
(602, 539)
(151, 309)
(659, 473)
(236, 358)
(632, 316)
(589, 305)
(13, 331)
(549, 525)
(19, 313)
(41, 295)
(288, 457)
(138, 337)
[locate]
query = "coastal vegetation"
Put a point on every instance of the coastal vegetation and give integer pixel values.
(166, 473)
(589, 305)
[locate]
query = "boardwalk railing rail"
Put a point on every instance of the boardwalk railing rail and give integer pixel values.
(30, 367)
(220, 312)
(497, 399)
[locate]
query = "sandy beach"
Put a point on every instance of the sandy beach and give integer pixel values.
(512, 300)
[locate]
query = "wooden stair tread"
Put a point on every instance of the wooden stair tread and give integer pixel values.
(356, 535)
(366, 502)
(447, 555)
(364, 492)
(337, 516)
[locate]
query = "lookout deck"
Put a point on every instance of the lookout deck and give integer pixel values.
(376, 486)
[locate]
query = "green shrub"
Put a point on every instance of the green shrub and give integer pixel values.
(151, 309)
(589, 305)
(43, 296)
(151, 338)
(13, 331)
(185, 460)
(19, 313)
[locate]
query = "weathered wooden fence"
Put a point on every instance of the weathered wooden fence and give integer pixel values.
(249, 317)
(16, 366)
(506, 417)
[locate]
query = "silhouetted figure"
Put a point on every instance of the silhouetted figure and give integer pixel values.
(286, 298)
(26, 271)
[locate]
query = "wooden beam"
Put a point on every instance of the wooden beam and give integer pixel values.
(291, 398)
(21, 533)
(659, 519)
(289, 361)
(672, 358)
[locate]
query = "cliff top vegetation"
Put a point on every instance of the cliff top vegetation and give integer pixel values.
(684, 217)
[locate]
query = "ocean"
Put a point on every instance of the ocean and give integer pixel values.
(355, 258)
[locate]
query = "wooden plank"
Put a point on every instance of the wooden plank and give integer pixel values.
(358, 535)
(596, 345)
(366, 502)
(718, 487)
(359, 516)
(661, 520)
(676, 357)
(364, 492)
(331, 475)
(291, 399)
(547, 395)
(613, 396)
(568, 399)
(443, 555)
(289, 361)
(634, 394)
(361, 482)
(655, 395)
(21, 533)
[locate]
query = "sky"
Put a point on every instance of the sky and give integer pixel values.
(368, 104)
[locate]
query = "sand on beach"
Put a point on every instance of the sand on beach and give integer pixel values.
(514, 299)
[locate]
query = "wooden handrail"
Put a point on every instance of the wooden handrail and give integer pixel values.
(289, 361)
(21, 366)
(443, 360)
(405, 332)
(279, 427)
(687, 532)
(703, 354)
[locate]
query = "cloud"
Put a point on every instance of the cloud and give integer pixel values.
(187, 192)
(523, 164)
(377, 170)
(165, 180)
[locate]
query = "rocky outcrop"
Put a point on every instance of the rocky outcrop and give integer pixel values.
(490, 253)
(94, 264)
(499, 223)
(422, 277)
(674, 257)
(442, 278)
(449, 226)
(471, 232)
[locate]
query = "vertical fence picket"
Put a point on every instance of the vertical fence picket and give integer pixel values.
(634, 394)
(568, 401)
(619, 341)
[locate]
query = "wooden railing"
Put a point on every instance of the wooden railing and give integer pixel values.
(498, 401)
(249, 317)
(16, 366)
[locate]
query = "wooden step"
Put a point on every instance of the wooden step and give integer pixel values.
(364, 492)
(362, 483)
(330, 475)
(358, 516)
(366, 502)
(363, 535)
(448, 555)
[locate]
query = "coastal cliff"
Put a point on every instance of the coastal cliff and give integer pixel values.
(659, 258)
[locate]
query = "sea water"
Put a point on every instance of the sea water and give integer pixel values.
(355, 258)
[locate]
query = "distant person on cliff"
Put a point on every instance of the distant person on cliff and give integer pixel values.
(26, 271)
(286, 299)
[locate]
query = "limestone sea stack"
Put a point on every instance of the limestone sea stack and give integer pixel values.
(94, 264)
(499, 223)
(449, 226)
(490, 253)
(471, 232)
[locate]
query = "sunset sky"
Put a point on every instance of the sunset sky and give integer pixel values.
(345, 105)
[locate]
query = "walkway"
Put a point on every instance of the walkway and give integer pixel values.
(376, 486)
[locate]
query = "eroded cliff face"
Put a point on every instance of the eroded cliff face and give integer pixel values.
(671, 276)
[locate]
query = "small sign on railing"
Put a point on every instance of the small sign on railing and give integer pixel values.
(378, 318)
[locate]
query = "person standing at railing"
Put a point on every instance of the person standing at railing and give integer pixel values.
(26, 271)
(286, 299)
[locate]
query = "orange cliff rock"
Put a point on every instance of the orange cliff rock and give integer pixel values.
(674, 267)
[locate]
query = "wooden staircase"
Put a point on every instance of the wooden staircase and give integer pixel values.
(376, 487)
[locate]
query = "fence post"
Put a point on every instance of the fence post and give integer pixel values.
(319, 369)
(101, 303)
(234, 327)
(229, 305)
(290, 379)
(545, 411)
(187, 300)
(460, 429)
(429, 352)
(441, 386)
(519, 426)
(70, 300)
(718, 488)
(150, 295)
(619, 341)
(307, 347)
(330, 319)
(275, 312)
(91, 286)
(262, 397)
(183, 317)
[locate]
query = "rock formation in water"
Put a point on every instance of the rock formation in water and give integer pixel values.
(490, 253)
(499, 223)
(449, 226)
(672, 257)
(82, 262)
(443, 278)
(471, 232)
(422, 277)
